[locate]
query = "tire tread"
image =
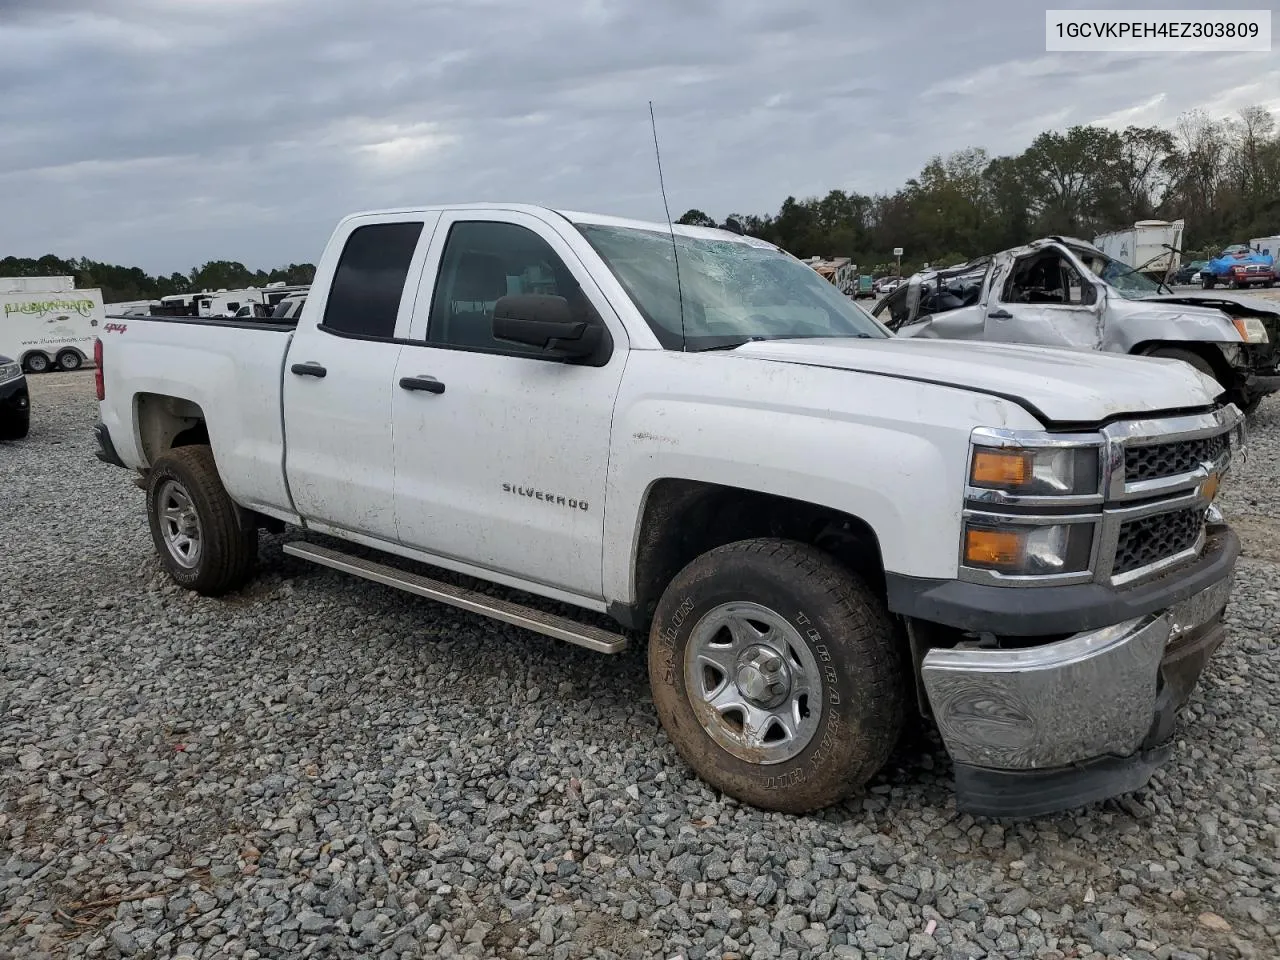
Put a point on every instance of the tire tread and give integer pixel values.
(229, 552)
(878, 660)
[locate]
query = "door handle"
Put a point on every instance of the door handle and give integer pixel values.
(429, 384)
(1000, 315)
(309, 369)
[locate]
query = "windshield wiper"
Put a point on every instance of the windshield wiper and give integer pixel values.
(1160, 284)
(734, 344)
(731, 345)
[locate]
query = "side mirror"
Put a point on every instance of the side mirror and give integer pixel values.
(550, 324)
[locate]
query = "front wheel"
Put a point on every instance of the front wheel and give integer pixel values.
(194, 524)
(36, 363)
(16, 426)
(1249, 402)
(776, 674)
(1187, 356)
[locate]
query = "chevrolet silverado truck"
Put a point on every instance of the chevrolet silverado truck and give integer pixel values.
(1062, 292)
(818, 526)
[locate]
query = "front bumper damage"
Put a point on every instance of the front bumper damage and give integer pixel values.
(1040, 729)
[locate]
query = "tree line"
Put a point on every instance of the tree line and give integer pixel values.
(1222, 176)
(120, 284)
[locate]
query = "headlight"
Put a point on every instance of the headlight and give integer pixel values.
(1251, 329)
(1035, 471)
(10, 371)
(1028, 549)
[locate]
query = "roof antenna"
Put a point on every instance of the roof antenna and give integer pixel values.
(684, 342)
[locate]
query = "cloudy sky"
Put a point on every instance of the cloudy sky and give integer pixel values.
(164, 133)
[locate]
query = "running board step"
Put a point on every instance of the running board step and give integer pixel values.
(562, 628)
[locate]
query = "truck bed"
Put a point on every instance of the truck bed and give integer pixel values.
(224, 372)
(265, 323)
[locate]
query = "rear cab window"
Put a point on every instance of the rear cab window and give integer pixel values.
(368, 283)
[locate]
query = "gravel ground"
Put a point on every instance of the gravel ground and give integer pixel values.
(323, 767)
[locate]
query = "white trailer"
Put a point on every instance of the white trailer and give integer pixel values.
(1267, 246)
(227, 303)
(130, 307)
(1151, 246)
(44, 329)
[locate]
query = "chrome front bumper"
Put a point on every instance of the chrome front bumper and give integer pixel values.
(1093, 695)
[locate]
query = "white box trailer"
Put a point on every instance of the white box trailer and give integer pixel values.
(130, 307)
(1267, 246)
(50, 329)
(1146, 246)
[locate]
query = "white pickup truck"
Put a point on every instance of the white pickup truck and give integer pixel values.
(818, 525)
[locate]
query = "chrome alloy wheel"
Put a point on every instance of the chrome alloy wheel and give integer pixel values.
(179, 523)
(753, 682)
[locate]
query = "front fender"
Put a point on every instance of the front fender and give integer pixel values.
(890, 452)
(1123, 331)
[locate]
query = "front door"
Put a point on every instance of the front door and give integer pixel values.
(501, 455)
(339, 379)
(1044, 300)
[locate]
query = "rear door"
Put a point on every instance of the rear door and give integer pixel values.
(502, 462)
(339, 375)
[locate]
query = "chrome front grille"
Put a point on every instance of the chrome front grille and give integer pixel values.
(1160, 460)
(1150, 540)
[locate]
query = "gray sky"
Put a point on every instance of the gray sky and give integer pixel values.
(165, 133)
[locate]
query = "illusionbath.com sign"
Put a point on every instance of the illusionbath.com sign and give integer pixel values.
(40, 308)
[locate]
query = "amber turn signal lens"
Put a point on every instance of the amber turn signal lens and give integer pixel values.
(1002, 468)
(992, 548)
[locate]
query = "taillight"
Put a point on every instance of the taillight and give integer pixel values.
(98, 381)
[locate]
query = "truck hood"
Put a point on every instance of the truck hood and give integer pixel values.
(1058, 386)
(1228, 302)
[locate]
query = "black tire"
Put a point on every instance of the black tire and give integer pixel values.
(846, 631)
(15, 427)
(35, 362)
(69, 360)
(1249, 402)
(226, 554)
(1206, 282)
(1188, 356)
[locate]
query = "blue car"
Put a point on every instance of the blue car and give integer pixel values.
(15, 402)
(1239, 266)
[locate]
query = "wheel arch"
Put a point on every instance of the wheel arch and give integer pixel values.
(164, 422)
(1205, 349)
(680, 519)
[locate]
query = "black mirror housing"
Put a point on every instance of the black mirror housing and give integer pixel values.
(553, 326)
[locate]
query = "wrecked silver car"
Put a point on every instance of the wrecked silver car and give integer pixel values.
(1063, 292)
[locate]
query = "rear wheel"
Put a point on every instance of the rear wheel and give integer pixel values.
(194, 523)
(35, 363)
(1206, 281)
(70, 360)
(776, 674)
